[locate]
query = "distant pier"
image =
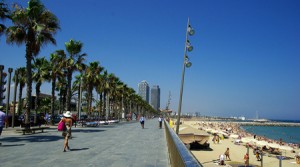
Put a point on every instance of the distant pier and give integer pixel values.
(284, 124)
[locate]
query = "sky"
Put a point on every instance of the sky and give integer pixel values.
(245, 62)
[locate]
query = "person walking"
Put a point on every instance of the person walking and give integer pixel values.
(227, 154)
(46, 118)
(75, 120)
(67, 119)
(142, 121)
(160, 121)
(2, 120)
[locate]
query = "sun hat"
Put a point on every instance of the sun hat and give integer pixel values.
(67, 114)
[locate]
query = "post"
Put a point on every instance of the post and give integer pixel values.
(182, 79)
(248, 153)
(8, 92)
(261, 159)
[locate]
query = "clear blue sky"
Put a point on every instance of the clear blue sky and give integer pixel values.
(246, 56)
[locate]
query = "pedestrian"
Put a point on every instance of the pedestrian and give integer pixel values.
(227, 154)
(218, 138)
(246, 159)
(160, 121)
(2, 120)
(75, 120)
(257, 155)
(46, 118)
(142, 121)
(67, 119)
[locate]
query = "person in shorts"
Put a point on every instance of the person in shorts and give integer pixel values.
(142, 121)
(160, 119)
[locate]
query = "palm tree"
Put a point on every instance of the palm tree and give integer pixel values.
(61, 87)
(34, 26)
(91, 79)
(41, 74)
(45, 105)
(77, 87)
(4, 14)
(21, 80)
(56, 62)
(73, 63)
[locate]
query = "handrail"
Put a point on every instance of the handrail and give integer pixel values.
(179, 155)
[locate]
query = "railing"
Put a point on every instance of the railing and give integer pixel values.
(179, 155)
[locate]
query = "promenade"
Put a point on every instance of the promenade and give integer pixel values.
(115, 145)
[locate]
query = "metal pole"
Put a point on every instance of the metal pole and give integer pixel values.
(248, 154)
(261, 159)
(182, 79)
(8, 92)
(280, 161)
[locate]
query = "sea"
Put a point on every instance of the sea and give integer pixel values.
(289, 134)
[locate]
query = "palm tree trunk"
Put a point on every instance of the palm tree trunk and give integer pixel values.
(79, 100)
(15, 99)
(28, 76)
(52, 99)
(107, 106)
(38, 92)
(69, 86)
(20, 103)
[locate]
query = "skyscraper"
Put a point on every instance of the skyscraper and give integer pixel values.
(144, 90)
(155, 97)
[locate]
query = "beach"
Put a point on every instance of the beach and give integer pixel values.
(237, 142)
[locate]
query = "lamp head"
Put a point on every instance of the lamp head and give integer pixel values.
(190, 30)
(188, 64)
(189, 46)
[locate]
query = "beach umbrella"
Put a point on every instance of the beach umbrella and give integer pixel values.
(248, 140)
(235, 136)
(273, 145)
(262, 143)
(286, 148)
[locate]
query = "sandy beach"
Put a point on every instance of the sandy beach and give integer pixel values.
(238, 149)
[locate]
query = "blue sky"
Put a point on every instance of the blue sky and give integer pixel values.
(246, 56)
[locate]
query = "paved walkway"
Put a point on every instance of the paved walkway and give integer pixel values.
(116, 145)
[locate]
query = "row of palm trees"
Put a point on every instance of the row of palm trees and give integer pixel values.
(35, 27)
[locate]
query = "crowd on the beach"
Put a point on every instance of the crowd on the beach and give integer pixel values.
(259, 144)
(225, 129)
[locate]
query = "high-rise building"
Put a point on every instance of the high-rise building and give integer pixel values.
(155, 97)
(144, 90)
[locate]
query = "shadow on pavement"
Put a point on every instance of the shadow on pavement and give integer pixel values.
(78, 149)
(33, 138)
(87, 130)
(11, 145)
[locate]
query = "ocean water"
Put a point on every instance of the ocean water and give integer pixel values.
(287, 134)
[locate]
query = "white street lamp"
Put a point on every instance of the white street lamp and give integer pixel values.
(186, 63)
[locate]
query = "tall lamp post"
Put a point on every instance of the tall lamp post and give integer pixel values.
(186, 63)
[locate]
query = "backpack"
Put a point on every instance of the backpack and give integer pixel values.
(61, 126)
